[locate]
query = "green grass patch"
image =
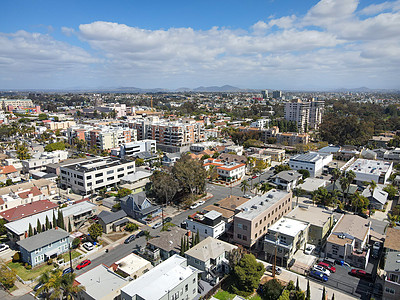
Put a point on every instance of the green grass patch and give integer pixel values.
(224, 295)
(74, 254)
(254, 297)
(167, 226)
(29, 274)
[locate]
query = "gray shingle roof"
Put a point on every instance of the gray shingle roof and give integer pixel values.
(109, 217)
(43, 239)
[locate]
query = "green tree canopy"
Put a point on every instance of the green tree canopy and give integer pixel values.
(190, 174)
(164, 186)
(55, 146)
(281, 168)
(247, 274)
(95, 230)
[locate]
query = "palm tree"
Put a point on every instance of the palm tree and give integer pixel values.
(335, 176)
(298, 193)
(68, 286)
(350, 176)
(244, 186)
(257, 187)
(344, 184)
(372, 186)
(265, 187)
(52, 281)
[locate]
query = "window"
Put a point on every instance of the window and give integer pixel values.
(88, 177)
(121, 175)
(256, 235)
(130, 167)
(120, 169)
(98, 175)
(205, 231)
(194, 280)
(256, 225)
(244, 227)
(89, 184)
(239, 236)
(186, 288)
(265, 218)
(99, 181)
(240, 226)
(394, 277)
(110, 178)
(245, 238)
(389, 290)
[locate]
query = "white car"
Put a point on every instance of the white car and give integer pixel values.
(309, 249)
(322, 270)
(88, 246)
(194, 205)
(201, 202)
(157, 225)
(3, 247)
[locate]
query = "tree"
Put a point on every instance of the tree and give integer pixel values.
(131, 227)
(123, 193)
(47, 223)
(3, 229)
(234, 257)
(271, 290)
(372, 186)
(164, 185)
(23, 152)
(297, 284)
(60, 219)
(69, 226)
(247, 274)
(30, 230)
(335, 176)
(391, 190)
(190, 174)
(285, 295)
(265, 187)
(7, 276)
(38, 227)
(359, 202)
(281, 168)
(305, 173)
(69, 288)
(76, 242)
(95, 230)
(244, 186)
(51, 281)
(197, 238)
(54, 221)
(308, 292)
(182, 248)
(298, 191)
(344, 184)
(54, 146)
(139, 162)
(43, 117)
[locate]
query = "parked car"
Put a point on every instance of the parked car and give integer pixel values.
(201, 202)
(68, 270)
(254, 177)
(157, 225)
(278, 271)
(139, 234)
(309, 249)
(57, 198)
(322, 270)
(318, 275)
(130, 239)
(3, 247)
(194, 205)
(327, 266)
(88, 246)
(95, 218)
(83, 264)
(247, 196)
(359, 273)
(167, 219)
(38, 286)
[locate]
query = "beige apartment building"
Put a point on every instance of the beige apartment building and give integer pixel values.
(253, 218)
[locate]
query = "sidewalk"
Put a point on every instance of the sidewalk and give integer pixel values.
(316, 288)
(21, 289)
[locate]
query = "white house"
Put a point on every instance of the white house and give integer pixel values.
(229, 170)
(367, 170)
(311, 161)
(209, 224)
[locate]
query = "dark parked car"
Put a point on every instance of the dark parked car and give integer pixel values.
(68, 270)
(278, 270)
(360, 274)
(167, 219)
(130, 239)
(139, 234)
(318, 275)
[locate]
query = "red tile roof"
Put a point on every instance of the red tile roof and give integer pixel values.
(26, 210)
(34, 191)
(7, 169)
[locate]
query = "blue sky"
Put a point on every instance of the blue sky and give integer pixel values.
(275, 44)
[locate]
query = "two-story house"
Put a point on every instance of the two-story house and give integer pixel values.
(209, 224)
(348, 241)
(210, 256)
(287, 180)
(138, 206)
(44, 246)
(391, 288)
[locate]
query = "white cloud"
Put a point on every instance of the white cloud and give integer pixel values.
(284, 22)
(67, 31)
(374, 9)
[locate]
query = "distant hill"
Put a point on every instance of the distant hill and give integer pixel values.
(216, 89)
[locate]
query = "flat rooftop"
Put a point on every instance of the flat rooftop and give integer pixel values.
(96, 164)
(309, 157)
(349, 226)
(258, 204)
(156, 283)
(368, 166)
(101, 283)
(132, 263)
(314, 215)
(289, 227)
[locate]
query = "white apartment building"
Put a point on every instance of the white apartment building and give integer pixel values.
(39, 160)
(260, 123)
(132, 148)
(209, 224)
(367, 170)
(229, 171)
(199, 147)
(89, 176)
(314, 162)
(59, 125)
(307, 114)
(172, 279)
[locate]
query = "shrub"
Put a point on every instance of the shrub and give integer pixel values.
(131, 227)
(28, 267)
(49, 262)
(16, 257)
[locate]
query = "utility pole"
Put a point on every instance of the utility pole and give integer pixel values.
(70, 256)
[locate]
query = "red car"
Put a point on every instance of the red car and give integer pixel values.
(254, 177)
(358, 273)
(327, 266)
(83, 264)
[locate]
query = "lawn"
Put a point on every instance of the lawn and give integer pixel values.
(74, 254)
(224, 295)
(29, 274)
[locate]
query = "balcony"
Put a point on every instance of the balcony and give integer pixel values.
(272, 241)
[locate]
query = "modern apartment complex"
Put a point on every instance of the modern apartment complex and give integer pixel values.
(313, 162)
(307, 114)
(171, 136)
(96, 174)
(133, 148)
(254, 217)
(367, 170)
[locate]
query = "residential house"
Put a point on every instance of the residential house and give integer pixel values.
(100, 283)
(209, 224)
(378, 197)
(167, 243)
(138, 206)
(44, 246)
(169, 159)
(228, 171)
(77, 214)
(14, 199)
(39, 160)
(348, 241)
(321, 222)
(312, 184)
(137, 181)
(391, 288)
(287, 180)
(276, 154)
(9, 173)
(254, 217)
(174, 280)
(287, 236)
(112, 221)
(132, 266)
(26, 210)
(210, 256)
